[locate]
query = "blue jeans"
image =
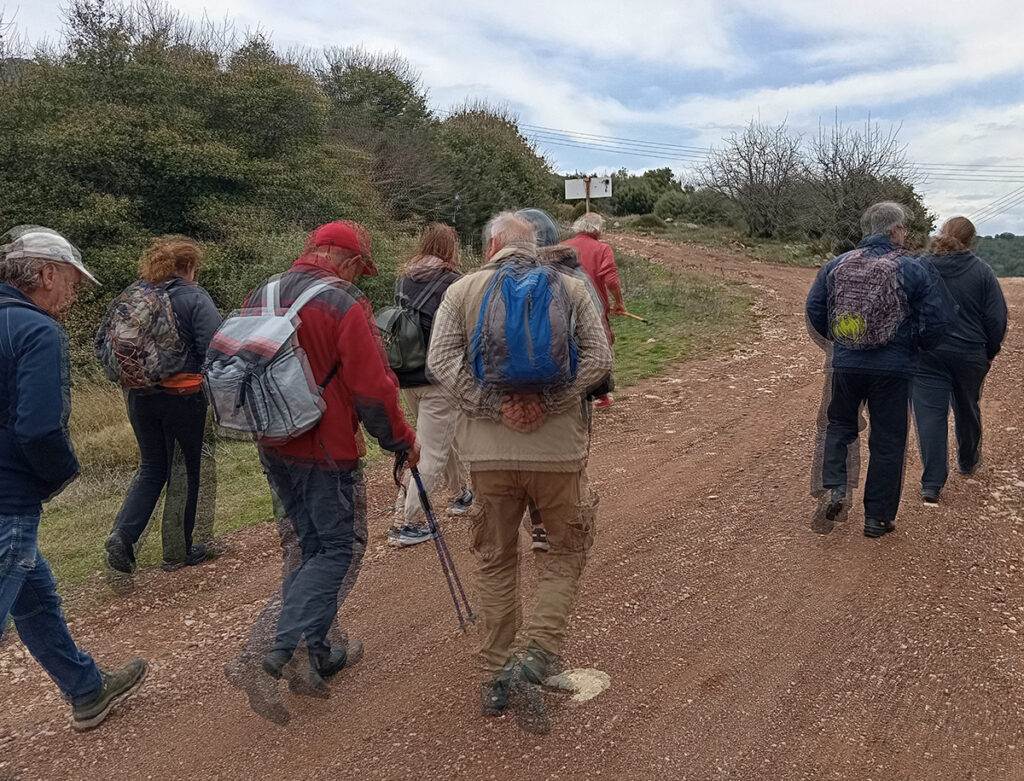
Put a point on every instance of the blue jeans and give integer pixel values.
(327, 508)
(28, 592)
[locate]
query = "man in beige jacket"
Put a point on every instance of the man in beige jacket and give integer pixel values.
(521, 447)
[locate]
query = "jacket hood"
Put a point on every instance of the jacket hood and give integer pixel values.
(953, 264)
(559, 255)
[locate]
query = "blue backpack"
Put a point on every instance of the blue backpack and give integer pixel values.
(523, 339)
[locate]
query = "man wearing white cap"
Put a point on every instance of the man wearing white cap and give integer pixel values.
(40, 272)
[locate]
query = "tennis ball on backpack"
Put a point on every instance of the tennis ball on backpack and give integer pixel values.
(849, 327)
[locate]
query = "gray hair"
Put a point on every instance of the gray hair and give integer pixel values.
(590, 223)
(22, 273)
(882, 217)
(506, 228)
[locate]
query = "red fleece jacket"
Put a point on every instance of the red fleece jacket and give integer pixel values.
(338, 329)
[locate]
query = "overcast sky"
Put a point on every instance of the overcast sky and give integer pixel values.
(685, 73)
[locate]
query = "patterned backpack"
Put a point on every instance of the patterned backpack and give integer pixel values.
(866, 300)
(138, 342)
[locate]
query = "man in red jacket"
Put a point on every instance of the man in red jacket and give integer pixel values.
(598, 260)
(317, 475)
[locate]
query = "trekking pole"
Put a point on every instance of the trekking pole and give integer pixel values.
(443, 554)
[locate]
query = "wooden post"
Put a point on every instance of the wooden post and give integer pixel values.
(586, 183)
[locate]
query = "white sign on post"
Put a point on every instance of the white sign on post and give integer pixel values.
(599, 187)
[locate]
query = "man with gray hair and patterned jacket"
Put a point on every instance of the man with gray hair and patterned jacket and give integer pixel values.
(521, 447)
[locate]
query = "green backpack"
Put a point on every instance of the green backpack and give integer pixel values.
(400, 328)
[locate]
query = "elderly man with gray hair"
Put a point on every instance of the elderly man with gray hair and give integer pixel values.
(521, 448)
(873, 308)
(598, 260)
(40, 273)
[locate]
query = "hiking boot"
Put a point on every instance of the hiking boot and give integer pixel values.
(541, 664)
(195, 556)
(604, 401)
(120, 555)
(262, 694)
(830, 508)
(540, 539)
(525, 698)
(462, 502)
(968, 471)
(274, 662)
(409, 535)
(494, 693)
(342, 657)
(874, 528)
(930, 495)
(117, 686)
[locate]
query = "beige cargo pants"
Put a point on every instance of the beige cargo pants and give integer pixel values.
(568, 507)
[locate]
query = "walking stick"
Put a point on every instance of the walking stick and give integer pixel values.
(447, 562)
(635, 317)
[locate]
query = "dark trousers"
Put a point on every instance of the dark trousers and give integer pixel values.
(887, 398)
(160, 420)
(327, 509)
(946, 379)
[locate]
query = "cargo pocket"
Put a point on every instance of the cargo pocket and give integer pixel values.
(583, 526)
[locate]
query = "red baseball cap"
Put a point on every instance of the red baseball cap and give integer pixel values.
(349, 235)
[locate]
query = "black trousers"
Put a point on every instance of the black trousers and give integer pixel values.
(887, 399)
(159, 420)
(947, 379)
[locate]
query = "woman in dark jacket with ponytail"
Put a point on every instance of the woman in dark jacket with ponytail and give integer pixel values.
(954, 372)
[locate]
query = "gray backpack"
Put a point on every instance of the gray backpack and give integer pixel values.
(866, 300)
(257, 376)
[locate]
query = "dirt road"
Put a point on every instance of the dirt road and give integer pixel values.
(740, 645)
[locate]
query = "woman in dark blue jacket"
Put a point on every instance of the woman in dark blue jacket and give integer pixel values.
(954, 372)
(173, 412)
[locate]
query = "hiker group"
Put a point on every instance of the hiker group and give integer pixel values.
(901, 332)
(501, 369)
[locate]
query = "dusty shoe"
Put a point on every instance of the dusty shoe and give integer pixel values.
(830, 509)
(494, 693)
(525, 698)
(116, 687)
(274, 662)
(120, 555)
(930, 495)
(539, 536)
(875, 528)
(409, 535)
(462, 502)
(342, 657)
(261, 693)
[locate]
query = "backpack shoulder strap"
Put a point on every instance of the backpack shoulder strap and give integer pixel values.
(422, 299)
(304, 298)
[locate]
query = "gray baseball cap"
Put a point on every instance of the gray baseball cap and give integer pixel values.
(35, 241)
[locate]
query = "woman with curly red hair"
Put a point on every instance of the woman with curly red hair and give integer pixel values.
(173, 411)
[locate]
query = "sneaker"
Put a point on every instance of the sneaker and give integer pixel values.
(120, 555)
(930, 495)
(195, 556)
(873, 528)
(540, 539)
(116, 686)
(830, 508)
(409, 535)
(604, 401)
(462, 502)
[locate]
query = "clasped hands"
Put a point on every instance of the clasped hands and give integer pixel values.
(523, 412)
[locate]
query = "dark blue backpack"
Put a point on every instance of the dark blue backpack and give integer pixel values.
(523, 339)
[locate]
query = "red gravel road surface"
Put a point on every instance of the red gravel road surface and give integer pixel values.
(740, 645)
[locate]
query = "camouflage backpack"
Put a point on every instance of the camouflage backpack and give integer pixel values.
(866, 301)
(138, 342)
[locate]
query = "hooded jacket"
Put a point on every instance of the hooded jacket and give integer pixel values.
(37, 460)
(980, 323)
(409, 289)
(339, 334)
(927, 322)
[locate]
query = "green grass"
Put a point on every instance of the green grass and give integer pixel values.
(689, 316)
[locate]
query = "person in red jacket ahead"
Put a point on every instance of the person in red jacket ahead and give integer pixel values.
(317, 474)
(598, 260)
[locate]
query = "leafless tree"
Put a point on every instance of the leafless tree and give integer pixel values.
(760, 169)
